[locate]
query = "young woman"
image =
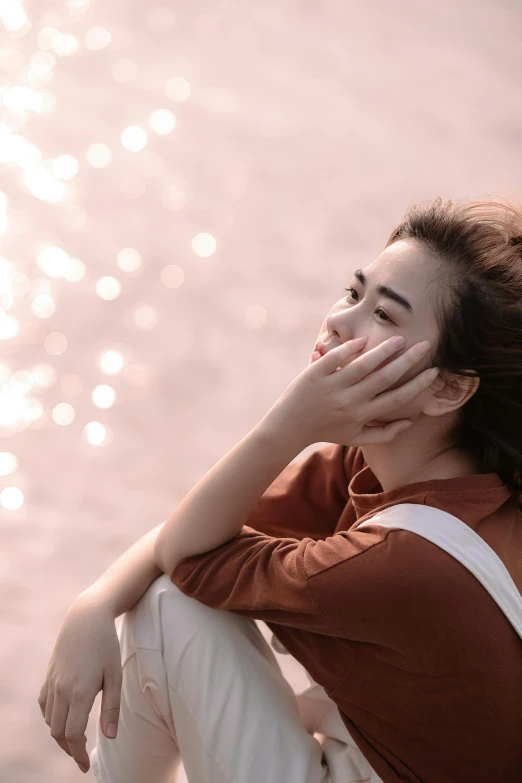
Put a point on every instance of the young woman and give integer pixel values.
(415, 672)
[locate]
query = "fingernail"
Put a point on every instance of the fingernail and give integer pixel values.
(112, 730)
(82, 768)
(397, 340)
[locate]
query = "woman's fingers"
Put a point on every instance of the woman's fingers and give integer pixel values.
(48, 714)
(42, 698)
(337, 357)
(390, 401)
(75, 730)
(111, 696)
(67, 718)
(87, 644)
(371, 382)
(375, 381)
(364, 365)
(58, 720)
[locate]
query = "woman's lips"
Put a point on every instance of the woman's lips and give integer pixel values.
(321, 348)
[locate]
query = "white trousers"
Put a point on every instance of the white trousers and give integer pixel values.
(202, 687)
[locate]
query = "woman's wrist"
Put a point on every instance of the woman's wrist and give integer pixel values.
(122, 585)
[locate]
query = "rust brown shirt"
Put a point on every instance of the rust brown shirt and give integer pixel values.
(423, 665)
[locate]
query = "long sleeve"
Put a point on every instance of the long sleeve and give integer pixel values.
(307, 585)
(258, 576)
(307, 498)
(261, 572)
(352, 585)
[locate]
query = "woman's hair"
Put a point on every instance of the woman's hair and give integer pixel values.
(478, 305)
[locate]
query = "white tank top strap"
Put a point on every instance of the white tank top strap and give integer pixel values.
(459, 540)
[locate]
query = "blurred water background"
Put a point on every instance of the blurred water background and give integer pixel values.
(185, 189)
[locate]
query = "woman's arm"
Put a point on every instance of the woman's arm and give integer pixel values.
(124, 582)
(216, 509)
(87, 656)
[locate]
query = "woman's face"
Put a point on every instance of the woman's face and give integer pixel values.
(407, 269)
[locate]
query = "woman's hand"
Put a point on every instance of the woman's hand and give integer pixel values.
(335, 397)
(86, 658)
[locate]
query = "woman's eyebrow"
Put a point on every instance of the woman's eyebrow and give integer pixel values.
(385, 291)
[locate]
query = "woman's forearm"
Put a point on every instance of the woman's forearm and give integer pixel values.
(218, 506)
(124, 582)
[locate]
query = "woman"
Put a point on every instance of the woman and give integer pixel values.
(416, 674)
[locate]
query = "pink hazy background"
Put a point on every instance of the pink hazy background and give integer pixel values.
(190, 187)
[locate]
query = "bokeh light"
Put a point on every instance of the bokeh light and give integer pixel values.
(98, 155)
(134, 138)
(22, 381)
(78, 6)
(162, 121)
(108, 288)
(48, 38)
(111, 362)
(103, 396)
(145, 316)
(177, 89)
(55, 343)
(14, 18)
(172, 276)
(44, 376)
(11, 498)
(204, 245)
(53, 261)
(67, 45)
(75, 270)
(96, 434)
(8, 463)
(65, 167)
(174, 198)
(97, 38)
(9, 327)
(63, 414)
(129, 260)
(43, 306)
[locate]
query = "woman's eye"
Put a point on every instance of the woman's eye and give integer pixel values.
(351, 291)
(386, 318)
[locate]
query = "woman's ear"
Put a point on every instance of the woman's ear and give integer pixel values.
(450, 392)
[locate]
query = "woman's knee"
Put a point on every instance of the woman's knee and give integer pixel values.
(160, 585)
(140, 627)
(166, 617)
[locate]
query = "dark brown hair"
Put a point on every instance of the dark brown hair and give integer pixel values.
(478, 297)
